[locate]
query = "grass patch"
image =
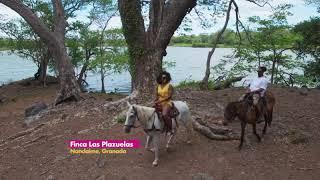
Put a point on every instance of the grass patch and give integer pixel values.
(192, 84)
(189, 84)
(120, 119)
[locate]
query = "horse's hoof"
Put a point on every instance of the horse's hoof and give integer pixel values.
(168, 149)
(155, 163)
(151, 150)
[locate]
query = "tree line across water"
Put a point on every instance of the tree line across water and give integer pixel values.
(46, 36)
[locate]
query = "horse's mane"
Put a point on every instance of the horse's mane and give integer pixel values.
(144, 111)
(232, 107)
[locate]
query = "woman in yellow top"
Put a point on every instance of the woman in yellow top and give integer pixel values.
(164, 94)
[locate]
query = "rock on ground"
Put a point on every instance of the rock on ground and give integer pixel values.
(35, 109)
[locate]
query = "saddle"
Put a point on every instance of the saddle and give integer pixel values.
(173, 113)
(259, 103)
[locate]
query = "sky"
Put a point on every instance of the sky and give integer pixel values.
(300, 11)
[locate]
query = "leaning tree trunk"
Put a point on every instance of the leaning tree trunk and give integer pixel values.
(147, 48)
(44, 67)
(205, 81)
(81, 74)
(69, 89)
(83, 70)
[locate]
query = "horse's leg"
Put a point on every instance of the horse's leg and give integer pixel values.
(270, 114)
(156, 141)
(147, 146)
(169, 141)
(243, 128)
(254, 130)
(266, 119)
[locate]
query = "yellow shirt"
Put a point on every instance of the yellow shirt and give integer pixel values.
(163, 93)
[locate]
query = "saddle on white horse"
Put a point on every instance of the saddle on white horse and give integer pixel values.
(156, 121)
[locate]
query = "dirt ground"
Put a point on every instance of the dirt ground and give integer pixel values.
(289, 150)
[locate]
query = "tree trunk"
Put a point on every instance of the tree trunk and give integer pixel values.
(147, 48)
(204, 85)
(69, 89)
(81, 74)
(103, 90)
(273, 66)
(44, 67)
(276, 74)
(146, 69)
(205, 81)
(273, 70)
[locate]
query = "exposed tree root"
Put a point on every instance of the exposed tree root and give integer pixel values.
(21, 134)
(213, 132)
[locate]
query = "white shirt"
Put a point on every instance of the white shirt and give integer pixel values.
(259, 83)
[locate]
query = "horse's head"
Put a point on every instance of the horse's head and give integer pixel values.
(230, 113)
(130, 118)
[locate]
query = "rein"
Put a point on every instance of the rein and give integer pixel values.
(136, 113)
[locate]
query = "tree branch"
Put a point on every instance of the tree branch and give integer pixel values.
(26, 13)
(204, 83)
(155, 16)
(174, 12)
(59, 19)
(260, 5)
(133, 24)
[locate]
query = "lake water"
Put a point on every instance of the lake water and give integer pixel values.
(189, 65)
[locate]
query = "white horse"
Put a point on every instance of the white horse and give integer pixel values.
(153, 126)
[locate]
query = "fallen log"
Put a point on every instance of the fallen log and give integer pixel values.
(227, 83)
(214, 133)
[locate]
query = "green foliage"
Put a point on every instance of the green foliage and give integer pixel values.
(188, 84)
(121, 119)
(111, 55)
(266, 45)
(314, 2)
(194, 85)
(168, 64)
(309, 47)
(4, 44)
(82, 43)
(228, 39)
(23, 41)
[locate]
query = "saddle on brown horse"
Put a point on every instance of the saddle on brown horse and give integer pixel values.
(173, 113)
(260, 105)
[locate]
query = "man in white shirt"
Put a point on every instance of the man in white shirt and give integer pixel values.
(259, 85)
(257, 89)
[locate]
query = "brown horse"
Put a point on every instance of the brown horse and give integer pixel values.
(247, 112)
